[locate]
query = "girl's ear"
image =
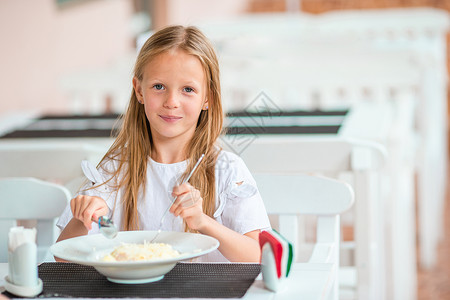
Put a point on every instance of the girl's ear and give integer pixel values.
(205, 105)
(138, 90)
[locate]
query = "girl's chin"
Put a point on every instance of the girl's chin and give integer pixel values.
(171, 134)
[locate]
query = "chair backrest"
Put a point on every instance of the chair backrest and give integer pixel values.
(304, 194)
(290, 195)
(354, 161)
(31, 199)
(302, 154)
(52, 161)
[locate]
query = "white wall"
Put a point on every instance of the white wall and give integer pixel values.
(40, 42)
(190, 12)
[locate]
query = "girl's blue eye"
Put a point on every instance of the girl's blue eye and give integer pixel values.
(158, 86)
(188, 89)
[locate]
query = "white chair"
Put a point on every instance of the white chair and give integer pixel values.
(356, 162)
(287, 196)
(31, 199)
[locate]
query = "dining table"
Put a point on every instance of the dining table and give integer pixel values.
(305, 281)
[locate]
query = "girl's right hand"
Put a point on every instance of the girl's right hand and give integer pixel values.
(88, 209)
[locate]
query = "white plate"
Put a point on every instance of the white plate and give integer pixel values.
(89, 249)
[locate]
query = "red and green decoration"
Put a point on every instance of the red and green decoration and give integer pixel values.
(283, 251)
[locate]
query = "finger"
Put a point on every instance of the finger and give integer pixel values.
(98, 213)
(82, 205)
(79, 203)
(181, 189)
(187, 212)
(77, 206)
(177, 210)
(101, 210)
(184, 192)
(177, 203)
(189, 201)
(72, 207)
(95, 208)
(87, 218)
(191, 198)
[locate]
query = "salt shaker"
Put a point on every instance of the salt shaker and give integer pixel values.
(22, 279)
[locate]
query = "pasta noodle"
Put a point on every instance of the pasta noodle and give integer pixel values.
(139, 252)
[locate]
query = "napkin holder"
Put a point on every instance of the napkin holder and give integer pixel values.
(22, 279)
(276, 259)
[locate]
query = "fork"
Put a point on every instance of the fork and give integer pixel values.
(105, 224)
(107, 227)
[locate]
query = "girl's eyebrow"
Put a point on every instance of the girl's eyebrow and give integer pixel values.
(154, 80)
(192, 82)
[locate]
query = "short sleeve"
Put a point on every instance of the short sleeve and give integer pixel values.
(89, 189)
(240, 205)
(66, 216)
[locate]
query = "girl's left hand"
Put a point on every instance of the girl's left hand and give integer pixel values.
(188, 205)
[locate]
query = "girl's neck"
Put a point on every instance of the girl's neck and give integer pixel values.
(168, 153)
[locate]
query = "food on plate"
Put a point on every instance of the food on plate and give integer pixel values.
(138, 252)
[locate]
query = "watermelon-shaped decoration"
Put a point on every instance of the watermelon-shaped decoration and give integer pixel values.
(276, 258)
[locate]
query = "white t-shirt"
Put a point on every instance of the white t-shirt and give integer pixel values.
(238, 203)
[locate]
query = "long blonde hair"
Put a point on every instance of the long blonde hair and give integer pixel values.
(133, 145)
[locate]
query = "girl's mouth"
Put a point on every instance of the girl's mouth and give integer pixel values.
(169, 118)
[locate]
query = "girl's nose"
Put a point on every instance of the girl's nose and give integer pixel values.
(171, 100)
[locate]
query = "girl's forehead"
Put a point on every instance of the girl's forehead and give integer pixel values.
(174, 56)
(176, 60)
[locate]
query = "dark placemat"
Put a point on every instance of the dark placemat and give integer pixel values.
(186, 280)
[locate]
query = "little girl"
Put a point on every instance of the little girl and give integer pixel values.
(174, 116)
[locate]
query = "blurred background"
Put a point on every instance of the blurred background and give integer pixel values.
(76, 57)
(45, 41)
(48, 42)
